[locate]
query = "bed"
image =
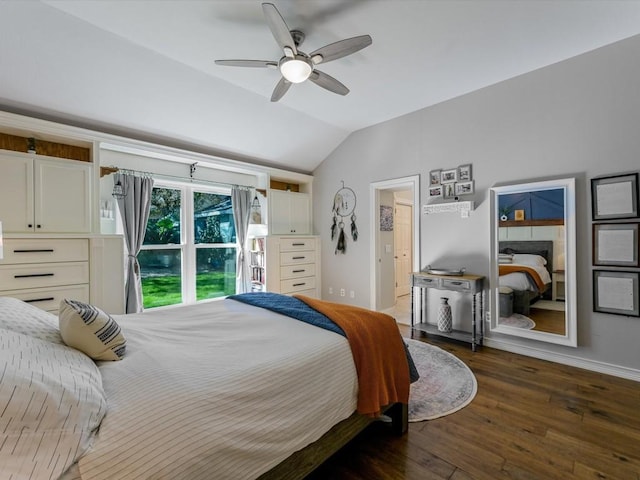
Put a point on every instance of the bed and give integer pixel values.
(214, 390)
(526, 267)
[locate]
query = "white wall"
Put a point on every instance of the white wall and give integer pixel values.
(577, 118)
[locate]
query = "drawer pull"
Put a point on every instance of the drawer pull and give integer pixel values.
(43, 250)
(298, 244)
(299, 271)
(46, 299)
(456, 283)
(299, 258)
(34, 275)
(299, 284)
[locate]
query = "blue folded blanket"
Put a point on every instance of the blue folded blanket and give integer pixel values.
(295, 308)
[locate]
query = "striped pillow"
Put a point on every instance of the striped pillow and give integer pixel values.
(90, 330)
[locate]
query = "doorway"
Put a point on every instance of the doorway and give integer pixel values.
(395, 244)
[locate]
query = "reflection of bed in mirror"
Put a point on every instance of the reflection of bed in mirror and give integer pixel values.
(526, 267)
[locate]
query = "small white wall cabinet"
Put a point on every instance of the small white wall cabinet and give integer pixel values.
(289, 213)
(293, 265)
(44, 194)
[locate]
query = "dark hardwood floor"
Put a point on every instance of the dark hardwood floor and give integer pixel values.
(530, 419)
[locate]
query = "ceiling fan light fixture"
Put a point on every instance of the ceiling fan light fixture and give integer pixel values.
(295, 70)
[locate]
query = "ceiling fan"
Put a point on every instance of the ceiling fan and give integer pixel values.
(295, 65)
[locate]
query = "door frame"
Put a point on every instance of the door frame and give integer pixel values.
(403, 183)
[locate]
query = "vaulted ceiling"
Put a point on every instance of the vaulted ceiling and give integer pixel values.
(145, 69)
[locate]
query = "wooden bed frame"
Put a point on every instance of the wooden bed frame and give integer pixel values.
(522, 299)
(303, 462)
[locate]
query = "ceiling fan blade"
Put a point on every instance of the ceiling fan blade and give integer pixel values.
(281, 88)
(247, 63)
(279, 28)
(328, 82)
(340, 49)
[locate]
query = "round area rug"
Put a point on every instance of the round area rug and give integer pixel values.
(517, 320)
(445, 386)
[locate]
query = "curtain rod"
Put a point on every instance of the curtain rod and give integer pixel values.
(111, 169)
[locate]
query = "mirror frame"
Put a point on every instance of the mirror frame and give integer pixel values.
(570, 338)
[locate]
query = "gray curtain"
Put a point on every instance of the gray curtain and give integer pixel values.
(134, 209)
(241, 203)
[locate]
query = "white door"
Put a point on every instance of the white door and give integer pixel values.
(16, 193)
(403, 233)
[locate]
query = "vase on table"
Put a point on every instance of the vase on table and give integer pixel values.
(445, 320)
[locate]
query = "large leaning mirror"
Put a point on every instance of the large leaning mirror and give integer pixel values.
(533, 261)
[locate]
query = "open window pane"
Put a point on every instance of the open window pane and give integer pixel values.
(161, 272)
(215, 272)
(213, 218)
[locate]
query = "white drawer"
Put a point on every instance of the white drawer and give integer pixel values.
(295, 244)
(297, 284)
(36, 250)
(296, 271)
(49, 298)
(295, 258)
(313, 293)
(18, 277)
(455, 284)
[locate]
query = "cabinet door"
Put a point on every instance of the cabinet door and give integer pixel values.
(16, 193)
(289, 213)
(62, 196)
(299, 216)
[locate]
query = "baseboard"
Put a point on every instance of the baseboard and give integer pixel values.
(595, 366)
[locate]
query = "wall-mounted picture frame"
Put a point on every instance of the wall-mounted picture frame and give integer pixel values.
(614, 197)
(518, 215)
(386, 218)
(616, 244)
(434, 177)
(464, 188)
(616, 292)
(449, 176)
(449, 190)
(464, 173)
(435, 192)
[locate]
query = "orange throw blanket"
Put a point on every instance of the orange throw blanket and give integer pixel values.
(504, 269)
(378, 353)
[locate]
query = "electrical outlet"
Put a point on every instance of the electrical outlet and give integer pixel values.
(352, 294)
(330, 290)
(342, 292)
(487, 316)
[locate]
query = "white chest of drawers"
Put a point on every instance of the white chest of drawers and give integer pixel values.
(293, 265)
(45, 271)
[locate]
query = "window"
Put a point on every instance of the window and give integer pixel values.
(184, 262)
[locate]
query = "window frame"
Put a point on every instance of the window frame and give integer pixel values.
(187, 245)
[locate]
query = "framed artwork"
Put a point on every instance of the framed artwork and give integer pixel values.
(386, 218)
(434, 177)
(449, 176)
(615, 244)
(614, 197)
(435, 192)
(449, 190)
(518, 215)
(464, 188)
(464, 173)
(616, 292)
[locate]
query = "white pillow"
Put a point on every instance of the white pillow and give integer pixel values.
(91, 331)
(22, 317)
(52, 403)
(528, 259)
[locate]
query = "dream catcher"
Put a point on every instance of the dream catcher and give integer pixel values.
(344, 204)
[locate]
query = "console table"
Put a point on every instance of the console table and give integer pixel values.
(467, 283)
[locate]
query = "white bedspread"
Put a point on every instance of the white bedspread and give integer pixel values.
(219, 390)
